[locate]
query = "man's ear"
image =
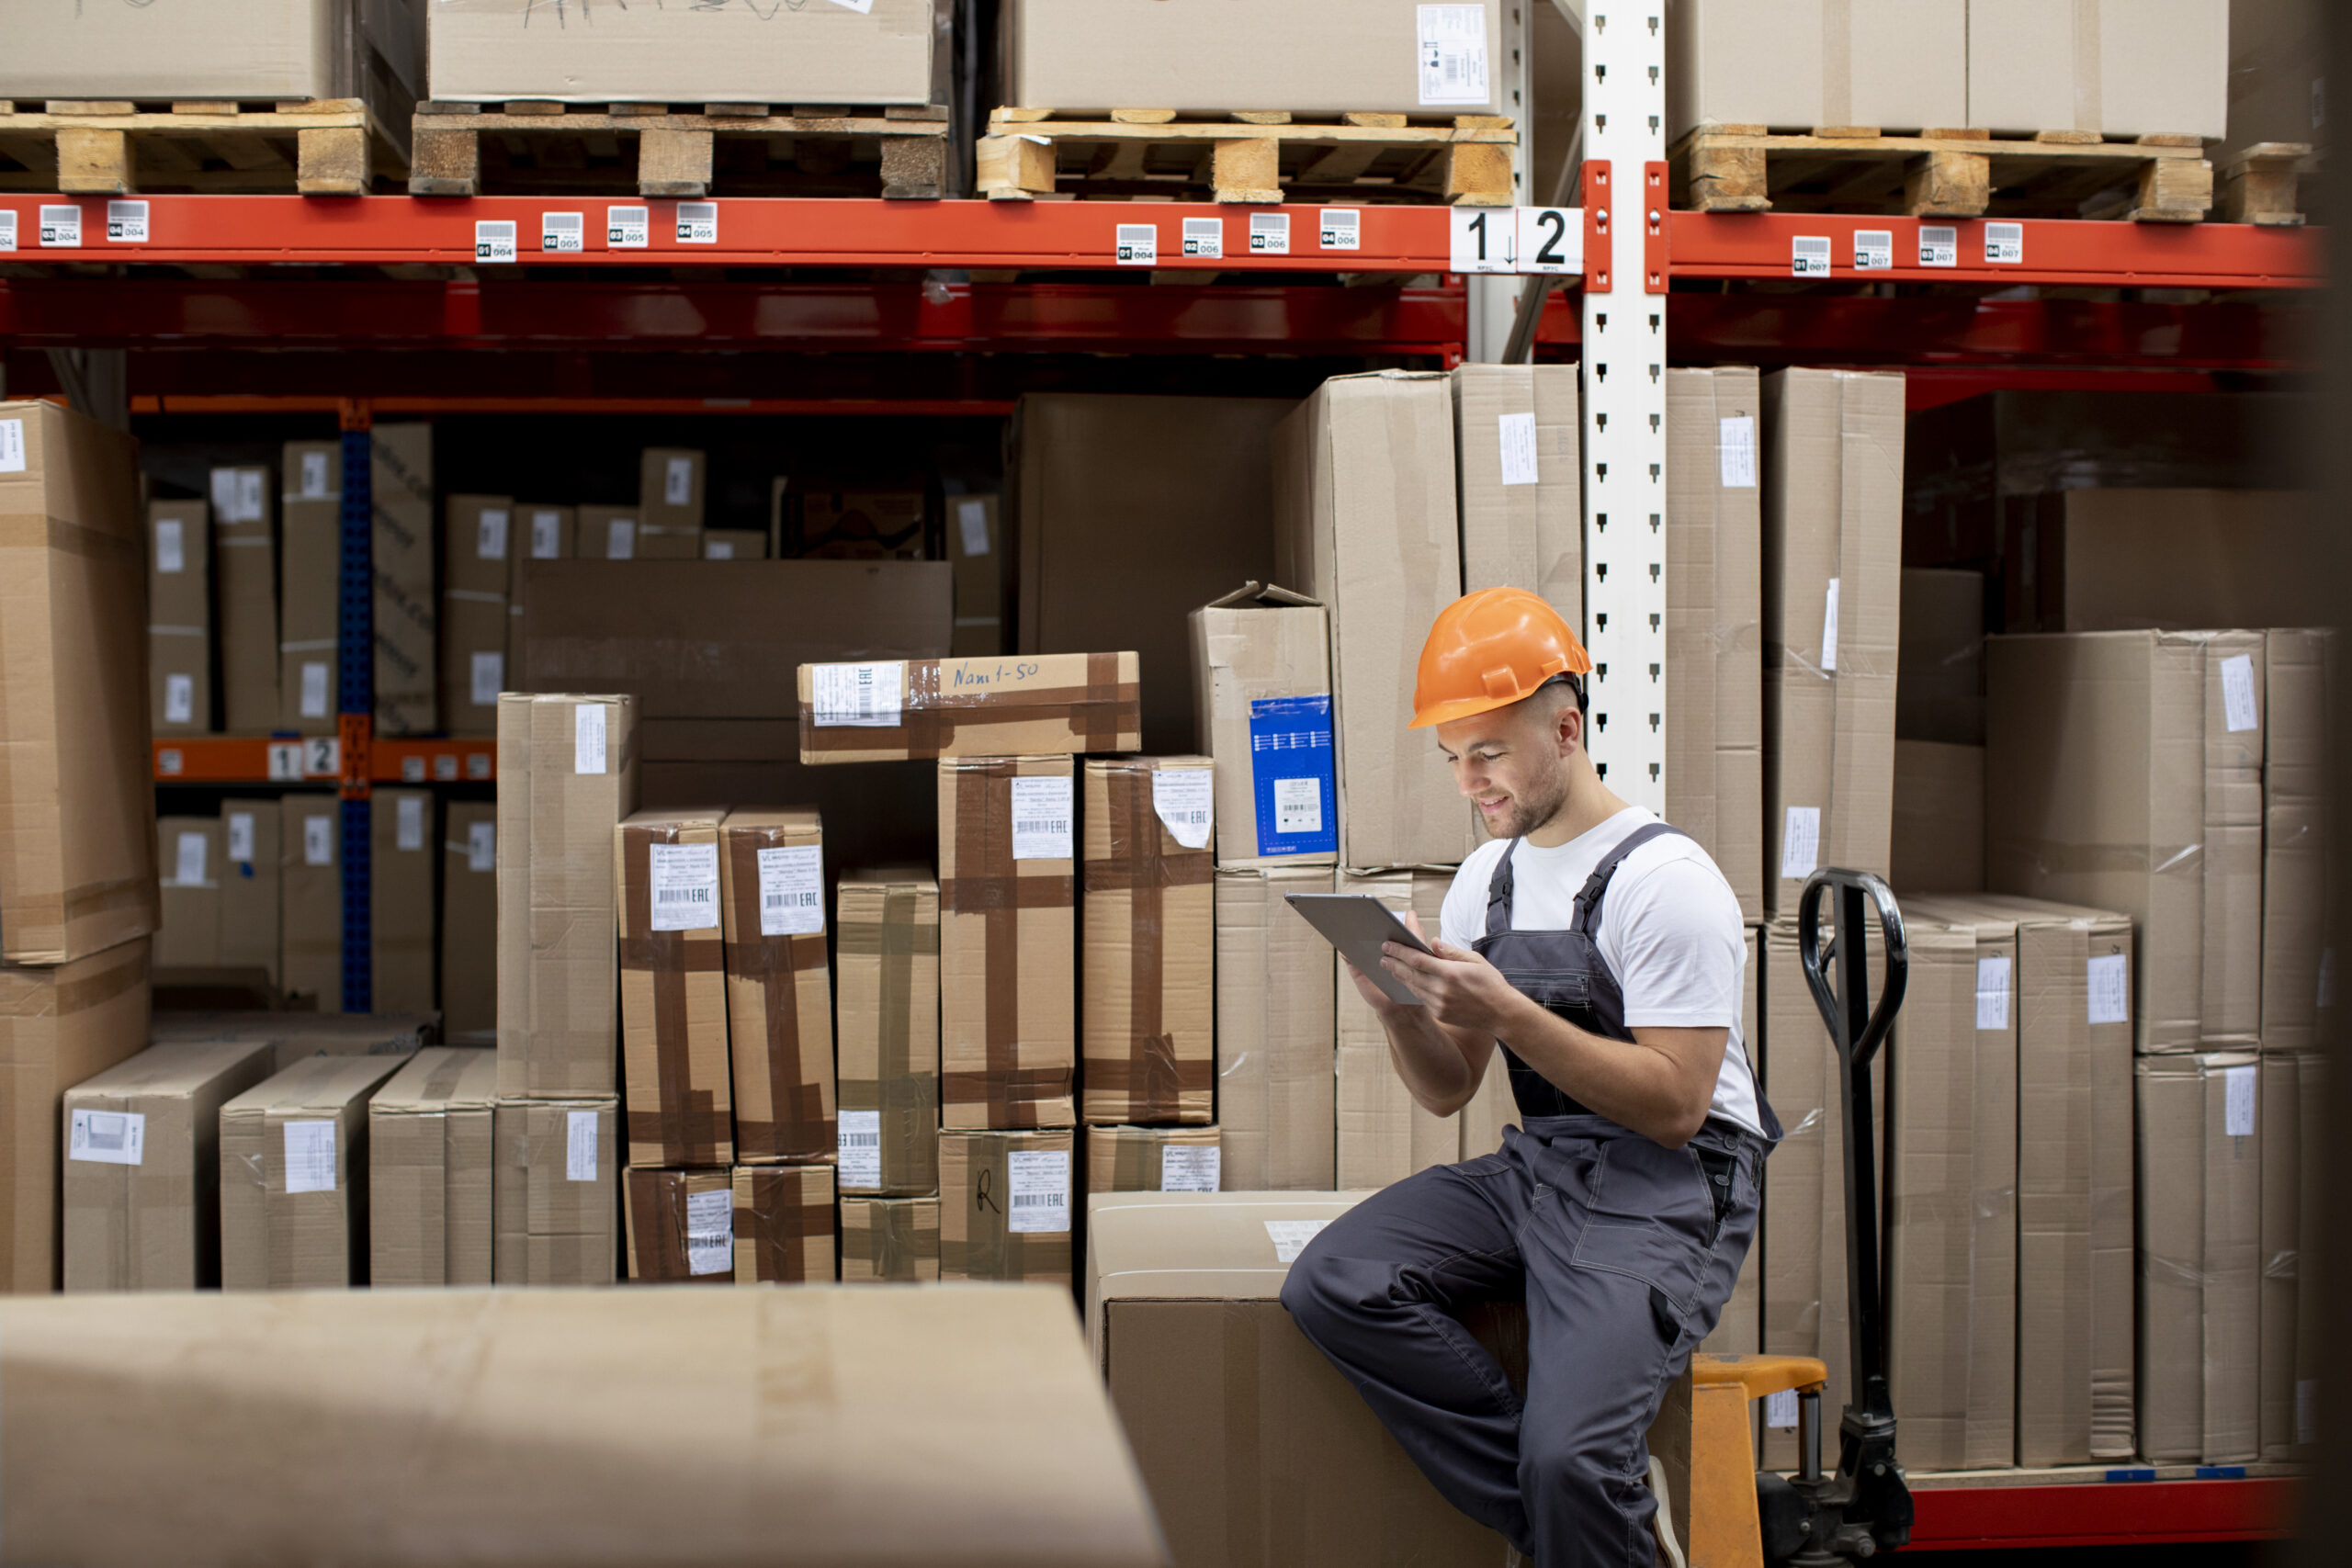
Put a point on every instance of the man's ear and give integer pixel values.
(1571, 728)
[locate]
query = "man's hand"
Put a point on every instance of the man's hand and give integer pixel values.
(1461, 991)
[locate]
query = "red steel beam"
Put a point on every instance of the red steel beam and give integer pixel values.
(2124, 1512)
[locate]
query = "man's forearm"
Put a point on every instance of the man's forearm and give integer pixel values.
(1432, 1066)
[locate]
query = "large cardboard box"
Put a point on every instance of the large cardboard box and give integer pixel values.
(975, 545)
(1519, 481)
(674, 1067)
(402, 854)
(142, 1165)
(1008, 947)
(605, 533)
(1798, 64)
(179, 616)
(309, 587)
(77, 801)
(1276, 1032)
(886, 931)
(252, 880)
(309, 877)
(2278, 73)
(672, 483)
(2279, 1114)
(1940, 657)
(2297, 910)
(1152, 1159)
(2092, 560)
(1714, 693)
(2199, 1265)
(920, 708)
(429, 1159)
(1005, 1204)
(297, 1036)
(239, 50)
(736, 544)
(567, 775)
(478, 548)
(542, 533)
(680, 1225)
(1150, 1021)
(889, 1239)
(779, 997)
(1833, 474)
(245, 562)
(853, 525)
(1326, 56)
(1184, 1314)
(1262, 682)
(2123, 67)
(1365, 509)
(294, 1176)
(1385, 1134)
(2312, 1213)
(188, 852)
(400, 484)
(783, 1224)
(470, 920)
(1939, 838)
(554, 1190)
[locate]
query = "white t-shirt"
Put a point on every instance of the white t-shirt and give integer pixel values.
(1670, 932)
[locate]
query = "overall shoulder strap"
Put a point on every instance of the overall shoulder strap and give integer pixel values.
(1596, 886)
(1498, 893)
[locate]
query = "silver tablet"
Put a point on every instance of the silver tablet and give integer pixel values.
(1357, 923)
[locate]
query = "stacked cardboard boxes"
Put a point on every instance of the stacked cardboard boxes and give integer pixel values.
(399, 489)
(179, 616)
(476, 543)
(245, 571)
(430, 1143)
(294, 1194)
(309, 583)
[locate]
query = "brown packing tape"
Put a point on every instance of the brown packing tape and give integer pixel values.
(116, 978)
(998, 894)
(907, 1097)
(780, 1223)
(1154, 1082)
(442, 1082)
(902, 1244)
(688, 1123)
(1132, 1169)
(1097, 714)
(798, 1125)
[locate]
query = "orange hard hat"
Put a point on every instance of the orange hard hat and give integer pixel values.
(1489, 649)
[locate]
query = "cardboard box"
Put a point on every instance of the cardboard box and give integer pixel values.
(1008, 945)
(681, 1227)
(311, 470)
(975, 547)
(2123, 67)
(77, 802)
(294, 1176)
(1004, 1205)
(567, 776)
(1715, 713)
(2278, 73)
(1384, 1135)
(1152, 1159)
(1832, 508)
(734, 544)
(402, 849)
(429, 1159)
(1276, 1033)
(1326, 56)
(920, 708)
(1149, 989)
(478, 556)
(2317, 1173)
(1797, 64)
(606, 533)
(1262, 680)
(883, 54)
(888, 1239)
(543, 533)
(245, 563)
(2280, 1127)
(674, 990)
(2231, 994)
(2118, 559)
(2296, 908)
(407, 628)
(1939, 658)
(179, 616)
(1938, 841)
(779, 997)
(188, 852)
(244, 49)
(470, 920)
(309, 587)
(783, 1224)
(478, 543)
(1520, 481)
(1739, 1328)
(887, 933)
(142, 1167)
(2199, 1265)
(310, 878)
(860, 525)
(297, 1036)
(1365, 509)
(886, 814)
(553, 1188)
(672, 484)
(705, 639)
(251, 880)
(1184, 1312)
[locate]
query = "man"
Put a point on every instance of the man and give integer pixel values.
(1601, 950)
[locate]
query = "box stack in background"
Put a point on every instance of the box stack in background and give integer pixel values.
(179, 616)
(477, 543)
(399, 491)
(245, 574)
(309, 583)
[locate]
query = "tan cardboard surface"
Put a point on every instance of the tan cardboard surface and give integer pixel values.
(309, 583)
(179, 616)
(188, 851)
(2123, 68)
(555, 1191)
(2116, 559)
(1148, 941)
(779, 993)
(310, 878)
(1008, 945)
(294, 1176)
(672, 485)
(1385, 1134)
(2277, 73)
(543, 533)
(1152, 1159)
(887, 933)
(1797, 1077)
(853, 524)
(403, 848)
(400, 493)
(604, 533)
(889, 1239)
(2280, 1114)
(250, 887)
(1005, 1206)
(2232, 993)
(429, 1160)
(2310, 1300)
(2296, 908)
(1795, 64)
(1276, 1032)
(679, 1225)
(676, 1083)
(1256, 643)
(246, 48)
(294, 1036)
(783, 1224)
(245, 566)
(1065, 702)
(470, 919)
(1939, 690)
(1939, 839)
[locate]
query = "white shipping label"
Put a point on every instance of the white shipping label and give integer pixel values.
(1808, 255)
(1939, 245)
(1205, 237)
(620, 539)
(240, 836)
(1736, 450)
(408, 825)
(188, 866)
(1993, 992)
(488, 678)
(1136, 244)
(972, 522)
(309, 1157)
(1517, 433)
(315, 689)
(490, 533)
(171, 552)
(718, 549)
(1188, 1167)
(698, 223)
(236, 495)
(1829, 630)
(60, 227)
(580, 1145)
(2108, 978)
(684, 887)
(678, 482)
(318, 840)
(862, 7)
(627, 228)
(1781, 1410)
(710, 1232)
(179, 699)
(1873, 249)
(588, 738)
(1182, 797)
(1453, 54)
(481, 846)
(1269, 234)
(547, 534)
(7, 228)
(1480, 238)
(792, 891)
(1800, 842)
(2237, 693)
(2004, 242)
(12, 447)
(868, 694)
(1042, 819)
(494, 239)
(1298, 805)
(108, 1137)
(563, 233)
(250, 506)
(2237, 1102)
(314, 476)
(1341, 229)
(860, 1140)
(1290, 1236)
(1039, 1181)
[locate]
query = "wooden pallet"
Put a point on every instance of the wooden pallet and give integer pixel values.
(542, 147)
(1462, 160)
(2260, 184)
(1944, 174)
(112, 147)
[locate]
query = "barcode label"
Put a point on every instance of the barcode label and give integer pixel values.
(2238, 710)
(1800, 842)
(546, 536)
(1736, 450)
(718, 549)
(1042, 814)
(179, 699)
(1781, 1409)
(562, 232)
(1188, 1167)
(1205, 237)
(309, 1157)
(126, 223)
(588, 738)
(620, 538)
(7, 228)
(678, 482)
(698, 223)
(1939, 245)
(60, 227)
(792, 891)
(318, 840)
(684, 887)
(627, 228)
(489, 675)
(710, 1232)
(580, 1145)
(2108, 979)
(481, 846)
(1298, 805)
(1809, 256)
(108, 1137)
(241, 835)
(861, 695)
(1039, 1180)
(171, 554)
(314, 476)
(2237, 1102)
(1873, 249)
(490, 533)
(408, 821)
(1993, 992)
(860, 1140)
(1270, 234)
(1137, 244)
(494, 239)
(1290, 1236)
(1183, 798)
(1343, 229)
(1453, 54)
(2004, 242)
(314, 690)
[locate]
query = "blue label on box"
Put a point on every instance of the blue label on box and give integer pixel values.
(1292, 776)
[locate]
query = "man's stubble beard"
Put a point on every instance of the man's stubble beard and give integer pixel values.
(1529, 816)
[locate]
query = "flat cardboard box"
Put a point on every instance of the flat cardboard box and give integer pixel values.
(555, 1191)
(1520, 481)
(1714, 716)
(1940, 658)
(2089, 561)
(251, 880)
(783, 1224)
(1148, 942)
(1326, 56)
(672, 484)
(975, 547)
(1384, 1135)
(310, 878)
(2123, 67)
(2280, 1114)
(1005, 1201)
(188, 852)
(309, 592)
(1796, 64)
(1939, 843)
(250, 1430)
(242, 50)
(470, 920)
(179, 616)
(294, 1176)
(860, 525)
(245, 565)
(606, 533)
(1261, 682)
(77, 803)
(1152, 1159)
(1276, 1032)
(400, 492)
(2298, 679)
(1833, 472)
(779, 996)
(734, 544)
(915, 709)
(1008, 944)
(429, 1159)
(402, 852)
(723, 640)
(680, 1225)
(886, 932)
(567, 776)
(142, 1165)
(297, 1036)
(889, 1239)
(674, 990)
(2200, 1264)
(1365, 510)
